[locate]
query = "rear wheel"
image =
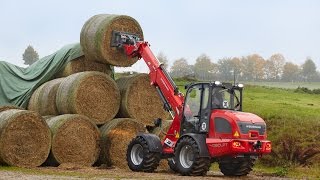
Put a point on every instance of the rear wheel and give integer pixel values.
(139, 157)
(236, 166)
(187, 158)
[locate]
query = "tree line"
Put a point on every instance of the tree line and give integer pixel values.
(247, 68)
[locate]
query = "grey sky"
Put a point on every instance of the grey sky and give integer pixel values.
(181, 28)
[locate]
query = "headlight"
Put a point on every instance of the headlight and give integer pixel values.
(217, 82)
(240, 85)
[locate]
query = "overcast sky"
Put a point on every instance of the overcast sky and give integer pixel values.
(179, 28)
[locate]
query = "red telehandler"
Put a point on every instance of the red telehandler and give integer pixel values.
(208, 123)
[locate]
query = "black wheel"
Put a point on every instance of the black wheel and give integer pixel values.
(173, 165)
(236, 166)
(139, 157)
(187, 159)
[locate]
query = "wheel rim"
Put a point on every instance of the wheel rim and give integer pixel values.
(186, 156)
(136, 154)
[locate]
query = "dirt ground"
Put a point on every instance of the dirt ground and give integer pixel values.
(113, 173)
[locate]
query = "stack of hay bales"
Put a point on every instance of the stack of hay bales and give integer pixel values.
(85, 97)
(25, 138)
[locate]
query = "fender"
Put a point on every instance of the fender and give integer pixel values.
(153, 142)
(200, 139)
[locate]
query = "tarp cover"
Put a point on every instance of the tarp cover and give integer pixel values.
(17, 84)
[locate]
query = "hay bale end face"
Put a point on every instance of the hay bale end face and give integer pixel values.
(75, 139)
(140, 100)
(115, 137)
(43, 99)
(81, 64)
(25, 138)
(93, 94)
(96, 35)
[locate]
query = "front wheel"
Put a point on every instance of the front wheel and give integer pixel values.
(139, 157)
(188, 160)
(236, 166)
(173, 165)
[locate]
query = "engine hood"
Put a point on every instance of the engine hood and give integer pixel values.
(244, 117)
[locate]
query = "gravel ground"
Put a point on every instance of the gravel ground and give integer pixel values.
(96, 173)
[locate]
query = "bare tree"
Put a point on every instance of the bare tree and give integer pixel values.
(181, 68)
(163, 59)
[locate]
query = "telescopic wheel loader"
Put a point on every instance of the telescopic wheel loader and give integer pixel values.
(208, 123)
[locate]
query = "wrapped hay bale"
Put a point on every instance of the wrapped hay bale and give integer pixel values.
(4, 108)
(25, 138)
(75, 139)
(81, 64)
(140, 100)
(96, 35)
(93, 94)
(43, 99)
(115, 137)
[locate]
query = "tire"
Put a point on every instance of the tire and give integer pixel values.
(173, 165)
(188, 160)
(236, 166)
(139, 157)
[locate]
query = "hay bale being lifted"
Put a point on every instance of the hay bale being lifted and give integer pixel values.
(81, 64)
(96, 34)
(140, 100)
(75, 139)
(115, 137)
(24, 138)
(93, 94)
(43, 99)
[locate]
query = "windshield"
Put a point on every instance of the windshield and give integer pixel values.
(223, 98)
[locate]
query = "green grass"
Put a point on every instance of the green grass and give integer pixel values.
(287, 85)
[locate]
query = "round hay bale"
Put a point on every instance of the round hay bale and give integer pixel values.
(81, 64)
(4, 108)
(96, 35)
(115, 137)
(25, 138)
(43, 99)
(140, 100)
(93, 94)
(75, 140)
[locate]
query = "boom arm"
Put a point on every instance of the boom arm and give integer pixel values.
(173, 99)
(167, 89)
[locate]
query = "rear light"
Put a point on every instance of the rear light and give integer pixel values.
(236, 144)
(268, 146)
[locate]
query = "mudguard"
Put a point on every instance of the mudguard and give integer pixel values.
(200, 139)
(153, 141)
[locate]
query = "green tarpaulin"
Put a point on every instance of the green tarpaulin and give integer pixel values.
(17, 84)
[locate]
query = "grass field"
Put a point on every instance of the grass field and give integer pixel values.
(287, 85)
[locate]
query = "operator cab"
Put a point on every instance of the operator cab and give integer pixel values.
(202, 98)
